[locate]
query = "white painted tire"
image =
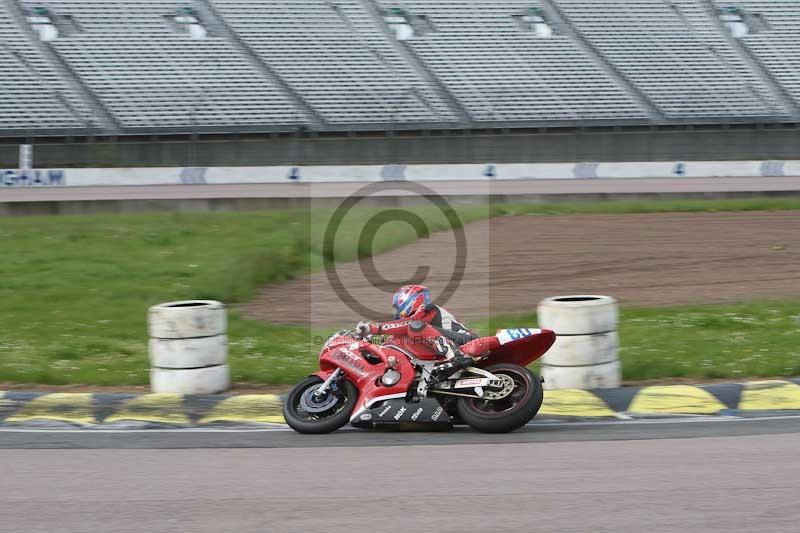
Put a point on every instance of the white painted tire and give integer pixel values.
(187, 319)
(189, 353)
(209, 380)
(582, 350)
(589, 377)
(578, 314)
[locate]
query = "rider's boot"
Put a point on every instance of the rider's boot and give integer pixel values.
(456, 361)
(444, 370)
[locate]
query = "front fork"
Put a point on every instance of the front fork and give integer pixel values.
(323, 389)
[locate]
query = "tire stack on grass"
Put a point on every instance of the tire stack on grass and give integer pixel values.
(188, 347)
(586, 352)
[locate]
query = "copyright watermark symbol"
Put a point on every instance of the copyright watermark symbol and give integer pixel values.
(419, 268)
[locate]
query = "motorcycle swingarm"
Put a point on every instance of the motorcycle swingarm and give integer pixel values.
(475, 383)
(426, 414)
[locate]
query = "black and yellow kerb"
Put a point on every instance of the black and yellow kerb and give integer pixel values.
(175, 410)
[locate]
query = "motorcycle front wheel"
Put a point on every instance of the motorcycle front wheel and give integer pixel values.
(306, 412)
(508, 411)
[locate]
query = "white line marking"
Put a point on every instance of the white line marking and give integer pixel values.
(710, 418)
(89, 431)
(641, 421)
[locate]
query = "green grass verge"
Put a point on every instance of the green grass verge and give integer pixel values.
(651, 206)
(720, 341)
(75, 289)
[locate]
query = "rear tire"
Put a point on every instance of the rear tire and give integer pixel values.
(506, 414)
(331, 419)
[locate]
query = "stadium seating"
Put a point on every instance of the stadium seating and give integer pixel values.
(337, 58)
(500, 72)
(148, 75)
(654, 47)
(32, 96)
(778, 48)
(708, 32)
(129, 66)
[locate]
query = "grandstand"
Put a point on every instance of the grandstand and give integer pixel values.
(130, 67)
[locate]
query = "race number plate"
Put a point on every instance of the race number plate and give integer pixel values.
(509, 335)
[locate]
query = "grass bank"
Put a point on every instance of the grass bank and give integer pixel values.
(721, 341)
(74, 290)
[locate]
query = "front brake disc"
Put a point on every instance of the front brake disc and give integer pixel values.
(311, 404)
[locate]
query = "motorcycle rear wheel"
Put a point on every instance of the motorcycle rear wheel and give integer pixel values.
(509, 413)
(330, 417)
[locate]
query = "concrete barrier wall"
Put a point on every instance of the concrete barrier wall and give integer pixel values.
(553, 146)
(199, 205)
(370, 173)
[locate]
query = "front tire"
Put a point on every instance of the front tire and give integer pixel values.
(307, 414)
(508, 413)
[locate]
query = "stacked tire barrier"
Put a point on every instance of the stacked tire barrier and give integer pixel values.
(188, 347)
(586, 352)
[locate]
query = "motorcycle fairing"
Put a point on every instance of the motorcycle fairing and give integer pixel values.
(522, 351)
(426, 414)
(348, 354)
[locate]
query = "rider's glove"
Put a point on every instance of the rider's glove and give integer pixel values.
(363, 329)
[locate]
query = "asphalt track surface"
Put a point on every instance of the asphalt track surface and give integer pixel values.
(722, 475)
(483, 187)
(282, 437)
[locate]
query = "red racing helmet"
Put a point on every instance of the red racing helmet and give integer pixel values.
(409, 299)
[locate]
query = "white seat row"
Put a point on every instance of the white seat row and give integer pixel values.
(129, 56)
(32, 95)
(500, 72)
(778, 49)
(335, 55)
(653, 42)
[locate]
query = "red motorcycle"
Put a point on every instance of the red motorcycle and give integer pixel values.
(383, 385)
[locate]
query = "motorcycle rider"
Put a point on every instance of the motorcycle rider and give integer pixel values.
(412, 303)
